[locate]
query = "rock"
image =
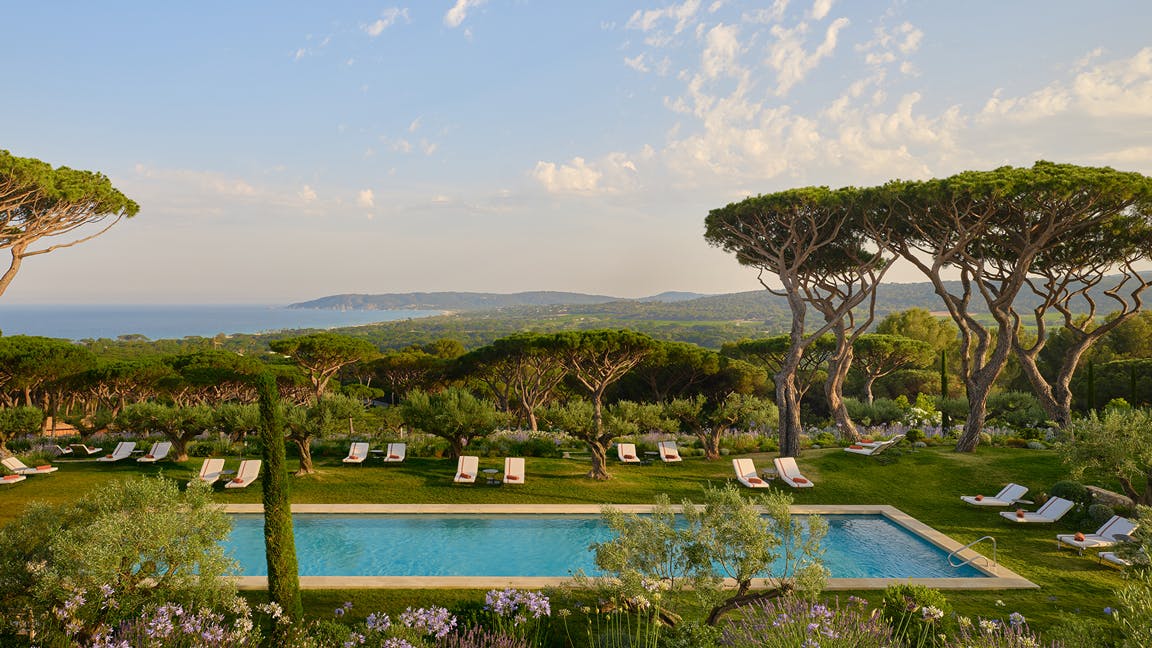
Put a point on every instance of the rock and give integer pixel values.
(920, 444)
(1109, 498)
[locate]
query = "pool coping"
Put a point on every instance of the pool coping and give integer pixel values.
(997, 577)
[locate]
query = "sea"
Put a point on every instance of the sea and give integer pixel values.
(161, 322)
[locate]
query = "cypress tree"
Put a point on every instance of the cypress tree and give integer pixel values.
(279, 542)
(944, 422)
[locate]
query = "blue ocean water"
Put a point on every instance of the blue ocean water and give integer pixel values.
(857, 546)
(78, 322)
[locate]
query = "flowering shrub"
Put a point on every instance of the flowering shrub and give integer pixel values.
(793, 622)
(518, 613)
(435, 621)
(993, 633)
(915, 613)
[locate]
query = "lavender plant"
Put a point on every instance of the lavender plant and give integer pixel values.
(519, 613)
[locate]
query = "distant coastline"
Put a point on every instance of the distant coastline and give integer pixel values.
(176, 321)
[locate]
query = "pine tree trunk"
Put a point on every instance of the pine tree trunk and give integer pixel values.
(599, 452)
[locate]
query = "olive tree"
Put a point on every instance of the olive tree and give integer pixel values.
(453, 414)
(1116, 445)
(326, 416)
(728, 536)
(105, 557)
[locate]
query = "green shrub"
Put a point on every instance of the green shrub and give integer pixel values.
(882, 411)
(825, 439)
(1100, 513)
(1071, 490)
(691, 635)
(914, 435)
(915, 613)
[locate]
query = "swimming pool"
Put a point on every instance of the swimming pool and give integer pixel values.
(857, 546)
(445, 546)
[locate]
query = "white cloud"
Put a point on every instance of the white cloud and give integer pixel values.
(681, 13)
(414, 126)
(791, 60)
(459, 12)
(820, 8)
(636, 63)
(307, 194)
(207, 181)
(366, 198)
(388, 17)
(576, 177)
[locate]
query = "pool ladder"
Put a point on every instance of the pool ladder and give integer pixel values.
(993, 564)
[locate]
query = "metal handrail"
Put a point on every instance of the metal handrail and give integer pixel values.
(994, 565)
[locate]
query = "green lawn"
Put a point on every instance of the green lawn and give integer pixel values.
(926, 484)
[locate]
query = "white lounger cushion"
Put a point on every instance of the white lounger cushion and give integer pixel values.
(158, 452)
(249, 472)
(466, 469)
(787, 470)
(209, 471)
(123, 451)
(18, 467)
(668, 451)
(1008, 496)
(514, 470)
(627, 452)
(396, 452)
(357, 453)
(746, 473)
(1053, 510)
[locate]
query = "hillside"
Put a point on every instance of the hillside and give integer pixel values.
(455, 301)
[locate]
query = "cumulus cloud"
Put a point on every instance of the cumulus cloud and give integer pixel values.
(307, 194)
(820, 9)
(366, 198)
(459, 12)
(204, 180)
(791, 60)
(387, 18)
(610, 174)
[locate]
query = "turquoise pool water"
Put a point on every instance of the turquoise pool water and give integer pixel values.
(857, 546)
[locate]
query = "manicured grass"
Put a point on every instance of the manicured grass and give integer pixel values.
(927, 484)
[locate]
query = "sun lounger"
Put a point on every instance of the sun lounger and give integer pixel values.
(18, 467)
(466, 468)
(746, 473)
(58, 450)
(1006, 497)
(787, 470)
(668, 451)
(1105, 536)
(123, 451)
(158, 452)
(209, 471)
(627, 453)
(875, 447)
(514, 470)
(8, 480)
(396, 452)
(248, 472)
(1053, 510)
(1114, 558)
(357, 453)
(81, 448)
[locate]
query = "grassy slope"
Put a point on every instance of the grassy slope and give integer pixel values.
(926, 484)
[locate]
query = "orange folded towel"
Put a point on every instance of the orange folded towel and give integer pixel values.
(1079, 537)
(513, 477)
(856, 447)
(353, 457)
(45, 467)
(237, 481)
(755, 480)
(979, 498)
(1020, 513)
(393, 456)
(465, 476)
(148, 456)
(800, 480)
(628, 456)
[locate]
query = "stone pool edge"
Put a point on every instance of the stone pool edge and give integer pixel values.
(998, 579)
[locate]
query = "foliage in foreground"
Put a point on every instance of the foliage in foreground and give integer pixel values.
(78, 569)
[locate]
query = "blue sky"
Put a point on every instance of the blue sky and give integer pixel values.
(284, 151)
